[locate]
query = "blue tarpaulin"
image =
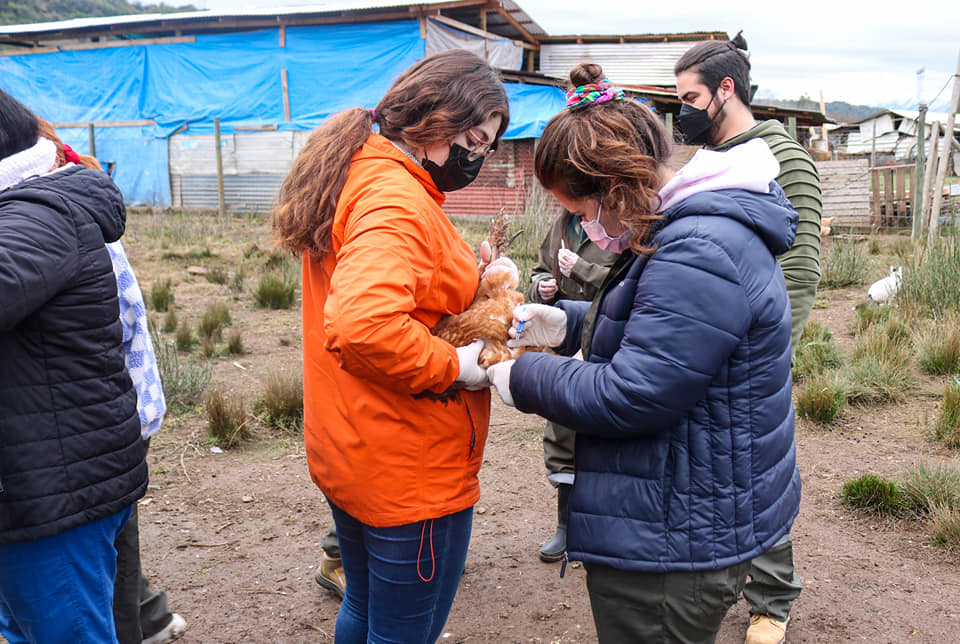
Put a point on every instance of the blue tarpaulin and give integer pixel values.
(235, 77)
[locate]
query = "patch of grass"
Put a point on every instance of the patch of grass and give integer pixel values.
(930, 286)
(193, 254)
(282, 401)
(874, 247)
(816, 352)
(947, 427)
(161, 295)
(235, 343)
(874, 494)
(939, 348)
(867, 314)
(882, 367)
(926, 486)
(945, 526)
(208, 347)
(236, 282)
(216, 275)
(844, 264)
(274, 291)
(214, 319)
(170, 321)
(276, 260)
(184, 381)
(821, 399)
(226, 418)
(184, 336)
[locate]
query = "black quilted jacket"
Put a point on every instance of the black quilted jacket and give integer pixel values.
(70, 446)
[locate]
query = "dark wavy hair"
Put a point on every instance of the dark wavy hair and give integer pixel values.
(610, 151)
(436, 99)
(18, 126)
(714, 60)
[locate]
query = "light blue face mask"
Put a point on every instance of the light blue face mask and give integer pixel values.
(598, 235)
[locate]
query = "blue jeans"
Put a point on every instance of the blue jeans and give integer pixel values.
(400, 580)
(60, 588)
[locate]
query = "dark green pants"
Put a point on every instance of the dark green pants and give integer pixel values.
(558, 447)
(773, 584)
(683, 607)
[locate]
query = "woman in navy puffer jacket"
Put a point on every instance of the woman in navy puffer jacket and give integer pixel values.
(682, 405)
(71, 456)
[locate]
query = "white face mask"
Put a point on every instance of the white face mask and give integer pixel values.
(598, 235)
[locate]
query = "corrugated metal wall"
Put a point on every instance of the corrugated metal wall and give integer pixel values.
(624, 63)
(254, 165)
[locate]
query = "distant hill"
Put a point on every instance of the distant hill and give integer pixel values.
(18, 12)
(838, 111)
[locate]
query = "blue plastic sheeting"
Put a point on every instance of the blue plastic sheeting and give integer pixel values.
(140, 159)
(235, 77)
(531, 106)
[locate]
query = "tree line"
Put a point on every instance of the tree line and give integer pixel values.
(18, 12)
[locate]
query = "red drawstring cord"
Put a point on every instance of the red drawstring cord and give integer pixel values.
(433, 561)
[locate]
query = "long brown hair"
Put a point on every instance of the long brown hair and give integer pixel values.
(434, 100)
(610, 151)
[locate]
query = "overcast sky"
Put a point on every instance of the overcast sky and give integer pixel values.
(859, 52)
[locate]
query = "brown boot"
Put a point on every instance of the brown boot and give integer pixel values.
(330, 575)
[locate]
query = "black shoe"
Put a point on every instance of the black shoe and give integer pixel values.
(556, 547)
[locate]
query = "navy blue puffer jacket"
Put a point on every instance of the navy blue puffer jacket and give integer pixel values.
(70, 445)
(685, 457)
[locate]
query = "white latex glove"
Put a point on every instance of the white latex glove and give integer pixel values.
(537, 325)
(502, 265)
(566, 260)
(499, 375)
(472, 376)
(547, 288)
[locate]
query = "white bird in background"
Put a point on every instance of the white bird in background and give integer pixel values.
(883, 291)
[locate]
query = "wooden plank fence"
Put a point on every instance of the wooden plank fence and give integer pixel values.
(891, 194)
(846, 192)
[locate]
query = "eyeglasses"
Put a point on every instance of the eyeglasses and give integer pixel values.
(477, 146)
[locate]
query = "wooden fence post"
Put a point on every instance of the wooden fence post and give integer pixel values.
(92, 140)
(928, 176)
(916, 189)
(945, 154)
(216, 142)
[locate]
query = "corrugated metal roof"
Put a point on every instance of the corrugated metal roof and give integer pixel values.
(913, 115)
(82, 27)
(624, 64)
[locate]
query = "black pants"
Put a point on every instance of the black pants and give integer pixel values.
(138, 610)
(682, 607)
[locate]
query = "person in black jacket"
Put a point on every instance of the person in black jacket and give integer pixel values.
(71, 456)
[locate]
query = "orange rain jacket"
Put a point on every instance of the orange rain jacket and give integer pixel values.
(380, 453)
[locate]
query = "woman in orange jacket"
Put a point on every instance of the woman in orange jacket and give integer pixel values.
(395, 419)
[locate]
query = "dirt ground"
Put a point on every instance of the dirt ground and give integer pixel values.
(234, 537)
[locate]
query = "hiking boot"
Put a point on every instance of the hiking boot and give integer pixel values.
(330, 575)
(556, 547)
(764, 629)
(170, 632)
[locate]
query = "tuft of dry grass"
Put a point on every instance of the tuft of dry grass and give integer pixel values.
(821, 399)
(947, 427)
(282, 400)
(226, 417)
(161, 295)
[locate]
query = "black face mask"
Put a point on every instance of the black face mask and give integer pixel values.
(696, 124)
(457, 172)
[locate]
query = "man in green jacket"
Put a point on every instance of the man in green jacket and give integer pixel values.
(569, 267)
(713, 83)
